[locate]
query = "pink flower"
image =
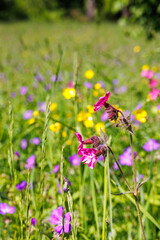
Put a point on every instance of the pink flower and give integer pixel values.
(154, 93)
(88, 156)
(101, 102)
(147, 73)
(153, 83)
(78, 135)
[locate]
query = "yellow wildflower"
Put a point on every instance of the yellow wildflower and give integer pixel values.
(102, 91)
(55, 116)
(64, 134)
(119, 114)
(53, 107)
(140, 115)
(69, 115)
(55, 127)
(35, 113)
(68, 142)
(145, 67)
(97, 86)
(81, 116)
(69, 93)
(90, 108)
(99, 126)
(89, 74)
(31, 121)
(95, 93)
(137, 49)
(154, 69)
(88, 122)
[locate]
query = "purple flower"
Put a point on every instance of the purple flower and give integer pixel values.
(31, 162)
(34, 221)
(23, 90)
(53, 78)
(157, 75)
(102, 84)
(57, 219)
(139, 106)
(151, 145)
(30, 98)
(101, 158)
(158, 107)
(24, 144)
(88, 85)
(48, 87)
(39, 77)
(126, 157)
(121, 89)
(27, 115)
(35, 141)
(56, 168)
(115, 81)
(4, 209)
(115, 166)
(13, 95)
(74, 160)
(21, 185)
(16, 153)
(104, 116)
(42, 106)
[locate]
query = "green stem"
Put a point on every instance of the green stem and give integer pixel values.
(133, 165)
(105, 198)
(110, 198)
(81, 196)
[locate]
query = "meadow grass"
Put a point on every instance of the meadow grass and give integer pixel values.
(66, 49)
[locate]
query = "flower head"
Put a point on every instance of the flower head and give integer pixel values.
(23, 90)
(154, 94)
(151, 145)
(78, 135)
(35, 141)
(126, 157)
(31, 162)
(140, 115)
(74, 160)
(88, 156)
(34, 221)
(56, 168)
(21, 185)
(89, 74)
(57, 219)
(24, 144)
(4, 209)
(55, 127)
(101, 102)
(69, 93)
(27, 115)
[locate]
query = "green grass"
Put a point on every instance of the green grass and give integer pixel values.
(68, 48)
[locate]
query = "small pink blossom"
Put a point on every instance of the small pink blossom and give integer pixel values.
(153, 83)
(88, 156)
(101, 102)
(154, 93)
(78, 135)
(147, 74)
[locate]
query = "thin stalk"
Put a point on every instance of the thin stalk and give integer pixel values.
(105, 199)
(81, 197)
(70, 205)
(62, 184)
(127, 183)
(135, 189)
(110, 199)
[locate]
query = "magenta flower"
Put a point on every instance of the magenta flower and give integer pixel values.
(57, 219)
(56, 168)
(16, 153)
(24, 144)
(4, 209)
(21, 185)
(153, 83)
(101, 102)
(147, 74)
(34, 221)
(27, 115)
(126, 157)
(74, 160)
(151, 145)
(78, 135)
(154, 93)
(23, 90)
(31, 162)
(35, 141)
(88, 156)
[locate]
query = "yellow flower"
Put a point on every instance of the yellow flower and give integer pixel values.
(31, 121)
(99, 126)
(53, 107)
(154, 69)
(81, 116)
(69, 93)
(89, 74)
(145, 67)
(55, 116)
(35, 113)
(90, 108)
(137, 49)
(102, 91)
(95, 93)
(88, 122)
(115, 106)
(55, 127)
(97, 86)
(68, 142)
(140, 115)
(64, 134)
(69, 115)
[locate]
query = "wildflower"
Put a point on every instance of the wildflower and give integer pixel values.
(24, 144)
(39, 77)
(68, 142)
(97, 86)
(53, 107)
(48, 87)
(137, 49)
(57, 219)
(151, 145)
(157, 75)
(31, 121)
(56, 168)
(88, 121)
(145, 67)
(126, 157)
(89, 74)
(69, 93)
(21, 185)
(64, 134)
(88, 85)
(4, 209)
(31, 162)
(140, 115)
(139, 106)
(154, 94)
(23, 90)
(74, 160)
(88, 156)
(101, 102)
(115, 81)
(78, 135)
(90, 109)
(13, 95)
(153, 83)
(35, 141)
(55, 127)
(121, 89)
(147, 74)
(70, 84)
(30, 98)
(99, 126)
(53, 78)
(34, 221)
(115, 166)
(35, 113)
(104, 116)
(95, 93)
(81, 116)
(42, 106)
(16, 153)
(27, 115)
